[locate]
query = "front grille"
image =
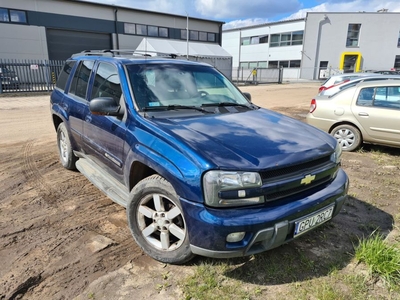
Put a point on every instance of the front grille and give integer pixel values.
(287, 181)
(290, 170)
(296, 190)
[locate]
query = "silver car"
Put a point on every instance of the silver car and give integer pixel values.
(366, 112)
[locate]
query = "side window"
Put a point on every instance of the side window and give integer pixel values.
(388, 97)
(365, 97)
(106, 82)
(81, 77)
(64, 74)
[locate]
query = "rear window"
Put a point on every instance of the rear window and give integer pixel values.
(64, 74)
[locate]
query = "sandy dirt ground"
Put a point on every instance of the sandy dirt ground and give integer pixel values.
(61, 238)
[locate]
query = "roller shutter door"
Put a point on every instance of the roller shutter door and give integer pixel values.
(63, 43)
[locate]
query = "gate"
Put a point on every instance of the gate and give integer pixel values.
(29, 75)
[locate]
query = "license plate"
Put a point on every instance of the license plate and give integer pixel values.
(313, 221)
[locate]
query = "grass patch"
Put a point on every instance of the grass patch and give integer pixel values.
(383, 260)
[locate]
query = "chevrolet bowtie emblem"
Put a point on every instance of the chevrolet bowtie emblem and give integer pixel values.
(307, 179)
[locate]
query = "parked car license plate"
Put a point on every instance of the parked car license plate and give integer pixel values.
(314, 220)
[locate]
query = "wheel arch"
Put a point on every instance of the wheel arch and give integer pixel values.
(57, 121)
(139, 171)
(346, 123)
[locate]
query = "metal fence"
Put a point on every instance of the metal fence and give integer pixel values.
(29, 75)
(261, 75)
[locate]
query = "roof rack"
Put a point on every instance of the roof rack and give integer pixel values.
(125, 52)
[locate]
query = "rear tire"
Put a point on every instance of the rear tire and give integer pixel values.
(67, 157)
(156, 221)
(348, 136)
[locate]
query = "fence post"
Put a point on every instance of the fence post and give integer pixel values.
(1, 81)
(280, 75)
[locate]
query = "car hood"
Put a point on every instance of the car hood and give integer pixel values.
(256, 139)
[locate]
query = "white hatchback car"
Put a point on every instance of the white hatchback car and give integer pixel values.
(342, 78)
(345, 85)
(366, 112)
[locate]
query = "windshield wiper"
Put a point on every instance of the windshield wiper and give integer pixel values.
(174, 107)
(228, 104)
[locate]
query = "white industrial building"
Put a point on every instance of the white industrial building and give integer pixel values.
(318, 45)
(270, 45)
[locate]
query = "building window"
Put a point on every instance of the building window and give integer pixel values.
(294, 64)
(253, 64)
(284, 64)
(163, 32)
(273, 64)
(353, 35)
(130, 28)
(397, 62)
(152, 30)
(264, 39)
(17, 16)
(245, 41)
(287, 39)
(4, 15)
(13, 16)
(297, 38)
(262, 64)
(141, 29)
(193, 35)
(202, 36)
(398, 40)
(211, 37)
(183, 34)
(254, 40)
(244, 65)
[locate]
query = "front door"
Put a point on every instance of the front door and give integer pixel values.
(105, 135)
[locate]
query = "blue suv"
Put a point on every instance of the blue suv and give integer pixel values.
(199, 168)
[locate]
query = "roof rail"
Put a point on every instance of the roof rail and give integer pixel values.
(125, 52)
(105, 52)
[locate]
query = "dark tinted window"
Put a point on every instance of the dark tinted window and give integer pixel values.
(64, 74)
(107, 83)
(81, 77)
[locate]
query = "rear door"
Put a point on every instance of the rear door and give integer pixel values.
(377, 109)
(75, 103)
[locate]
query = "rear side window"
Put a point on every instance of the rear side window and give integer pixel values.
(385, 97)
(64, 74)
(81, 78)
(366, 97)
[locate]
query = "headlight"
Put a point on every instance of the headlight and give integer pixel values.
(337, 155)
(224, 188)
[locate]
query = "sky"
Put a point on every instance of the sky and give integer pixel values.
(239, 13)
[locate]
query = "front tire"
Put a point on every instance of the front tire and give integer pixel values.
(348, 136)
(156, 221)
(67, 157)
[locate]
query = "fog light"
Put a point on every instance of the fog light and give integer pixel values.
(235, 237)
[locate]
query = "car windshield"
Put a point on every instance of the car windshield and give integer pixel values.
(179, 86)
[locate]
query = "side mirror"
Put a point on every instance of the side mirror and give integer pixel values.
(105, 106)
(247, 95)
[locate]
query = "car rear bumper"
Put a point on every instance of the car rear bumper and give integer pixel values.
(265, 228)
(320, 123)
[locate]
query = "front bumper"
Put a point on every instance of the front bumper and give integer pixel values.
(266, 227)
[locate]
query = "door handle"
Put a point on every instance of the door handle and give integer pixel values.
(88, 119)
(363, 114)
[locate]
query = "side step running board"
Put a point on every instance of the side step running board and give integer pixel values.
(107, 184)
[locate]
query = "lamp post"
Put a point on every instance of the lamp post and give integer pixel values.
(187, 36)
